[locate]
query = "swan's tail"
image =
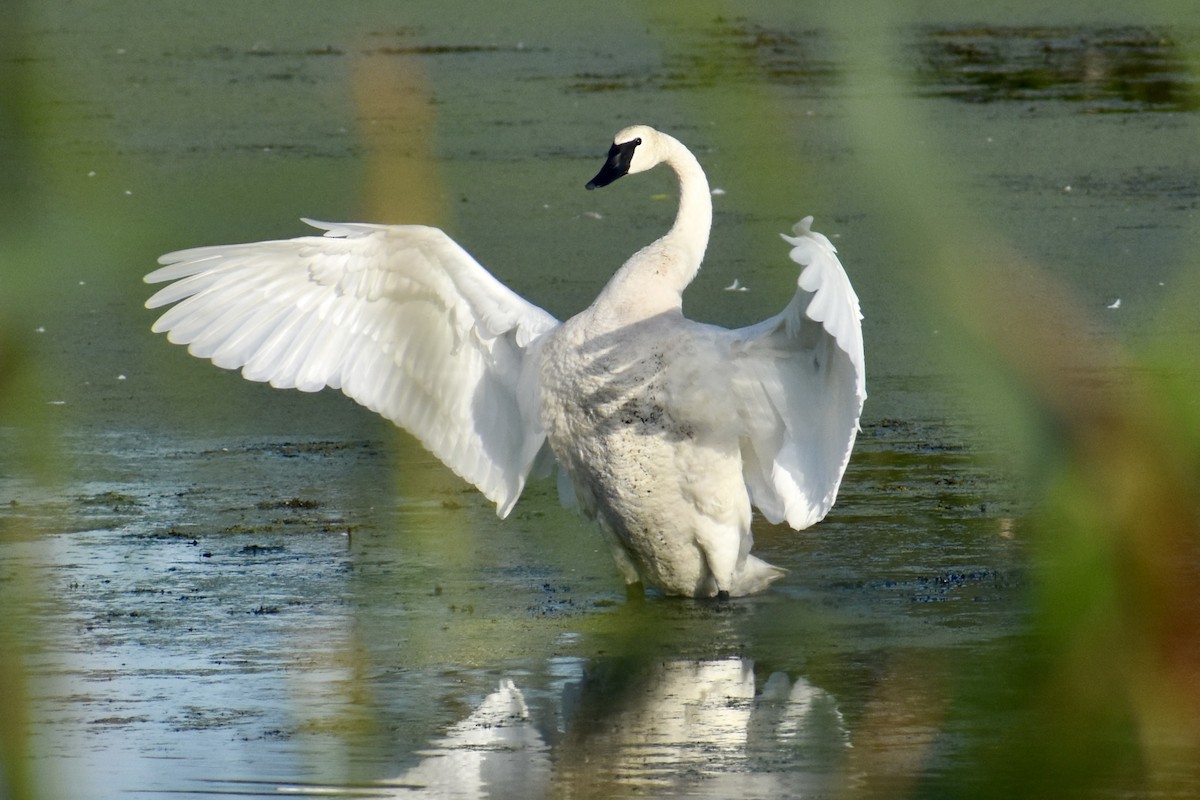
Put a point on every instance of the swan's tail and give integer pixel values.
(755, 576)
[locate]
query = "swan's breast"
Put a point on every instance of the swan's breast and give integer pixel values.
(641, 420)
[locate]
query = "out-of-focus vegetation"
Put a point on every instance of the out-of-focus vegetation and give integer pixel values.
(1102, 693)
(15, 411)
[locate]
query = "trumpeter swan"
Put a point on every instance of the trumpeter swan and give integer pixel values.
(665, 430)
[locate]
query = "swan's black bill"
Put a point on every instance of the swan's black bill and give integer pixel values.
(619, 156)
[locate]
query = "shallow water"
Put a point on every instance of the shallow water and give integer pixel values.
(242, 592)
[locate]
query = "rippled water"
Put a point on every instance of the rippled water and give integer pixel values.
(241, 592)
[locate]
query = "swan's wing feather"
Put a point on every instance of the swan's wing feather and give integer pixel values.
(799, 381)
(399, 317)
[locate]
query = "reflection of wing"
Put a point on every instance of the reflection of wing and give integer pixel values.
(800, 382)
(797, 719)
(399, 317)
(495, 752)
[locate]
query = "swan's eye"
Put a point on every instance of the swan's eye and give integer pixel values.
(637, 141)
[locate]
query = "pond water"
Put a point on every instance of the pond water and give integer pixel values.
(216, 588)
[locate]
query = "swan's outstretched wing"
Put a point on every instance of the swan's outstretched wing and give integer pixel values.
(799, 382)
(399, 317)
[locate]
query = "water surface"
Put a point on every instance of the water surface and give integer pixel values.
(230, 590)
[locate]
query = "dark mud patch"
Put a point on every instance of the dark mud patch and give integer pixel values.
(197, 718)
(1101, 70)
(973, 585)
(116, 502)
(261, 549)
(291, 503)
(728, 51)
(554, 600)
(226, 53)
(167, 535)
(305, 449)
(453, 49)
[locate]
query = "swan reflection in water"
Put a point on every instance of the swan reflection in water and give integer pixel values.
(669, 728)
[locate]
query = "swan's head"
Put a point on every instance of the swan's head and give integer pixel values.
(634, 149)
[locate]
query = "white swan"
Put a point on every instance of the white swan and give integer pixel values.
(666, 430)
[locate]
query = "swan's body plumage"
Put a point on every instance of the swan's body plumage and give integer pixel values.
(665, 430)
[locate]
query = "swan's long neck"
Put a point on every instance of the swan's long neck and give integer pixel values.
(693, 222)
(652, 281)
